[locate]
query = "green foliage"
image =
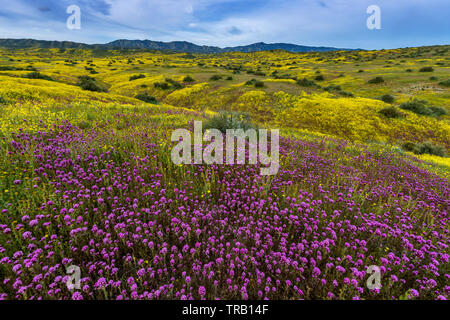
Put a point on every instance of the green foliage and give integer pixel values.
(188, 79)
(255, 83)
(319, 78)
(215, 78)
(146, 98)
(306, 83)
(38, 75)
(445, 83)
(426, 69)
(229, 120)
(424, 148)
(387, 98)
(161, 85)
(90, 84)
(420, 107)
(391, 112)
(376, 80)
(137, 76)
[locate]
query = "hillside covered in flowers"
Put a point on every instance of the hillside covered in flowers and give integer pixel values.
(87, 180)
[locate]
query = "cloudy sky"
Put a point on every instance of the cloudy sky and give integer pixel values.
(338, 23)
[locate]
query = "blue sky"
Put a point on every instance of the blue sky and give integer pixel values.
(338, 23)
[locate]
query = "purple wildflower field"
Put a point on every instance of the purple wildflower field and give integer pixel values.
(139, 227)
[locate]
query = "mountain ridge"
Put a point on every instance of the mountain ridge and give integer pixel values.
(177, 46)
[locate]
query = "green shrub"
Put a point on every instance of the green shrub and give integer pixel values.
(137, 76)
(229, 120)
(417, 106)
(174, 84)
(229, 78)
(319, 78)
(215, 78)
(88, 83)
(391, 112)
(188, 79)
(38, 75)
(445, 83)
(306, 83)
(2, 100)
(426, 69)
(424, 148)
(409, 70)
(161, 85)
(433, 78)
(146, 98)
(259, 84)
(376, 80)
(437, 111)
(387, 98)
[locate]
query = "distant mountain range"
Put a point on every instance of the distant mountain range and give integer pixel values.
(177, 46)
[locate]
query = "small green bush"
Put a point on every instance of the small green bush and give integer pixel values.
(387, 98)
(38, 75)
(445, 83)
(161, 85)
(137, 76)
(306, 83)
(188, 79)
(146, 98)
(89, 83)
(417, 106)
(376, 80)
(391, 112)
(229, 120)
(215, 78)
(426, 69)
(424, 148)
(174, 84)
(2, 100)
(437, 111)
(319, 78)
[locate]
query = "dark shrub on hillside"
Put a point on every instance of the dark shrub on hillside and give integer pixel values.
(426, 69)
(424, 148)
(161, 85)
(445, 83)
(137, 76)
(433, 78)
(2, 100)
(229, 120)
(437, 111)
(38, 75)
(391, 112)
(306, 83)
(387, 98)
(360, 71)
(88, 83)
(174, 84)
(319, 78)
(259, 84)
(215, 78)
(188, 79)
(409, 70)
(229, 78)
(376, 80)
(417, 106)
(146, 98)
